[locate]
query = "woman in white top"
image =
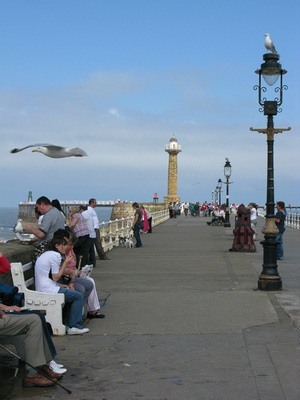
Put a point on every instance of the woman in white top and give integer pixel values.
(49, 268)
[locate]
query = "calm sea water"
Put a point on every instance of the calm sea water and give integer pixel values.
(9, 216)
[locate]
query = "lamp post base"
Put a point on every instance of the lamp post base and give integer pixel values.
(227, 224)
(269, 282)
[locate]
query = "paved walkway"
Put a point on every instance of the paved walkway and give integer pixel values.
(185, 322)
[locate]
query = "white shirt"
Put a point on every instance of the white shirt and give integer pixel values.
(253, 213)
(90, 223)
(94, 216)
(46, 262)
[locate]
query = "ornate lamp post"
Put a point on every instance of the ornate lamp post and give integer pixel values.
(270, 70)
(227, 174)
(219, 186)
(216, 195)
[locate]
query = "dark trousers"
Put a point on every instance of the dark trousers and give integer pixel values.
(98, 245)
(82, 249)
(136, 233)
(150, 224)
(92, 254)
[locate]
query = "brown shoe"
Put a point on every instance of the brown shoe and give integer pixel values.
(48, 371)
(37, 380)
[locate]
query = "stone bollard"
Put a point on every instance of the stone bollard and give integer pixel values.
(243, 233)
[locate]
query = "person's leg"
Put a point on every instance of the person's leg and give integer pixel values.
(279, 247)
(76, 305)
(136, 232)
(92, 254)
(37, 351)
(150, 224)
(45, 329)
(93, 300)
(84, 286)
(98, 245)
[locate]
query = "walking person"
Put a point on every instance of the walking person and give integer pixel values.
(97, 240)
(280, 223)
(136, 225)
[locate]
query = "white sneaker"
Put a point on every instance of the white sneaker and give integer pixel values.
(77, 331)
(56, 367)
(54, 363)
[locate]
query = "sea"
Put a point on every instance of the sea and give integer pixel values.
(9, 217)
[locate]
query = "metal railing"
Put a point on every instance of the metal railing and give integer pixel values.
(292, 216)
(112, 231)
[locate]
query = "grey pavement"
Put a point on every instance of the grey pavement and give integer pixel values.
(185, 321)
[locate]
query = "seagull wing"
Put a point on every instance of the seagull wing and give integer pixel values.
(31, 145)
(77, 152)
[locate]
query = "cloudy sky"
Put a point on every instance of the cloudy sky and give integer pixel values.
(118, 78)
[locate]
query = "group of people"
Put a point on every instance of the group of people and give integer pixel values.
(70, 244)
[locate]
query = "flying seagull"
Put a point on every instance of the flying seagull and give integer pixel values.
(269, 43)
(53, 151)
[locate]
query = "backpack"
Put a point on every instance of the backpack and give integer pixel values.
(10, 296)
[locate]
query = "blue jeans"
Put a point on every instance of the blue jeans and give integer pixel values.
(136, 233)
(84, 286)
(74, 318)
(280, 251)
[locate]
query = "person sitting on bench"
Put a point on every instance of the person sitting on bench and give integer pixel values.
(37, 350)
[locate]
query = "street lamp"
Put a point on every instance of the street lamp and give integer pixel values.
(271, 71)
(216, 195)
(219, 186)
(227, 174)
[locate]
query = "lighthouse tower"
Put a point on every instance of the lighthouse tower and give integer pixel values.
(173, 148)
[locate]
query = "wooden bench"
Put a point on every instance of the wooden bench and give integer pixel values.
(51, 303)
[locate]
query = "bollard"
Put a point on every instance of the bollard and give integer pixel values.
(243, 233)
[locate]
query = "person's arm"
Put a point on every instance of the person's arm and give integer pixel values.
(135, 219)
(277, 218)
(5, 308)
(61, 271)
(73, 222)
(36, 231)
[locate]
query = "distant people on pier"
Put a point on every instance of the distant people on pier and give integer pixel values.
(97, 240)
(136, 225)
(197, 209)
(171, 210)
(186, 208)
(146, 216)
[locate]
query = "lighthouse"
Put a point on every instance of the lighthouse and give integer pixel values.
(172, 148)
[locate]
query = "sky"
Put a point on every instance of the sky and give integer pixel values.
(119, 78)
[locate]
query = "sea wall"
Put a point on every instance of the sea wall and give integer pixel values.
(14, 251)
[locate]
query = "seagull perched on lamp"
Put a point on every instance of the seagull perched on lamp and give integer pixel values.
(53, 151)
(269, 43)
